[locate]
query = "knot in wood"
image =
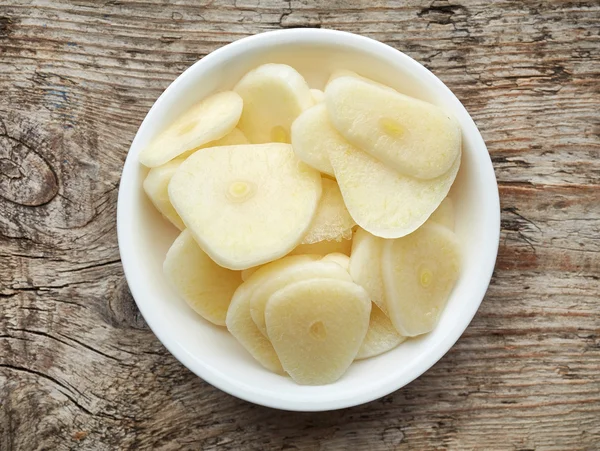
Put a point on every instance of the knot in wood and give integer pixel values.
(123, 311)
(26, 178)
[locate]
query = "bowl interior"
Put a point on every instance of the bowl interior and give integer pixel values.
(211, 352)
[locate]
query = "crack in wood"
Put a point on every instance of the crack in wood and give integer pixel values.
(62, 388)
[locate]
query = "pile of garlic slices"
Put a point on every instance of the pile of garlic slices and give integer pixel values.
(314, 225)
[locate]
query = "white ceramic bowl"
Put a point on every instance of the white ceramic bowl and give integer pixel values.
(210, 351)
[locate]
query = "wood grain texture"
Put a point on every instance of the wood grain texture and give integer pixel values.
(79, 369)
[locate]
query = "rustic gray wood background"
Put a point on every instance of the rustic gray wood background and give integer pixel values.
(79, 369)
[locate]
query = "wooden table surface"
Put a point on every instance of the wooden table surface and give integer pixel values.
(79, 368)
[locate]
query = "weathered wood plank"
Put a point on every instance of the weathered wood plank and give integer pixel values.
(79, 369)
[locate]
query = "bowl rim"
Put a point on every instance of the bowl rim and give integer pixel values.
(215, 378)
